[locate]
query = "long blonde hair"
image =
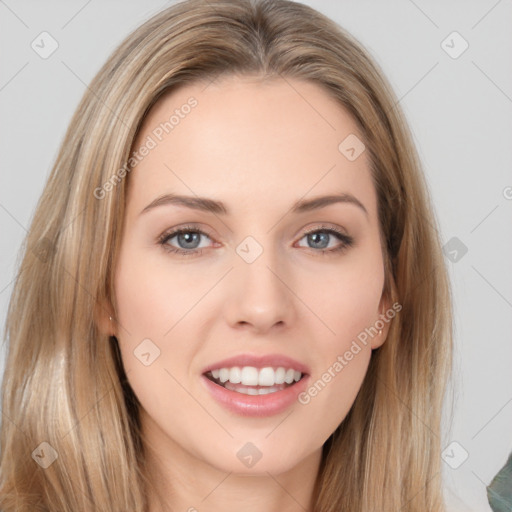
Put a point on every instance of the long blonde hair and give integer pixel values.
(64, 384)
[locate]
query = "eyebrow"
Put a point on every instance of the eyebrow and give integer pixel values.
(219, 208)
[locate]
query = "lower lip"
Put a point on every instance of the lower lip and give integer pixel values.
(256, 405)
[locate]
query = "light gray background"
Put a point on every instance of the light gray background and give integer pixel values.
(459, 111)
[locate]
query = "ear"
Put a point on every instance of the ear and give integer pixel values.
(104, 318)
(383, 322)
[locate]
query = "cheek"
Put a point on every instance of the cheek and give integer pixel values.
(341, 364)
(349, 306)
(152, 294)
(151, 299)
(147, 307)
(348, 300)
(159, 312)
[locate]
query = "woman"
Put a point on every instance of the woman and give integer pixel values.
(174, 345)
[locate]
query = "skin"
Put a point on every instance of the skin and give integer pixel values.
(258, 146)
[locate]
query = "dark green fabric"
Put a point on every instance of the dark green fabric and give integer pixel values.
(499, 492)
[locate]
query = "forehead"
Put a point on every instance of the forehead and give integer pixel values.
(246, 140)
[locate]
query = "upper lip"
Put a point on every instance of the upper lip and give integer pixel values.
(259, 361)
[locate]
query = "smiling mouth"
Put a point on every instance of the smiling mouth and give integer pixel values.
(253, 381)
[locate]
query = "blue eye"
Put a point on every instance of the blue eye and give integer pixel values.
(189, 238)
(320, 239)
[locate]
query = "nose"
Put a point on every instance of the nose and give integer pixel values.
(260, 296)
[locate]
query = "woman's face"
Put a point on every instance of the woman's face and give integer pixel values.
(258, 276)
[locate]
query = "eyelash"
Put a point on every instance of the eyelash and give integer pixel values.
(347, 241)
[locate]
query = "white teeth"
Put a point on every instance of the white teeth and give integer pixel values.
(252, 391)
(252, 376)
(249, 376)
(235, 375)
(289, 376)
(279, 377)
(266, 377)
(266, 391)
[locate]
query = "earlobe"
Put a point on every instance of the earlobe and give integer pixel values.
(379, 339)
(382, 323)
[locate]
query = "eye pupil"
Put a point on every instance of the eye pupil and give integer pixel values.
(188, 238)
(315, 238)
